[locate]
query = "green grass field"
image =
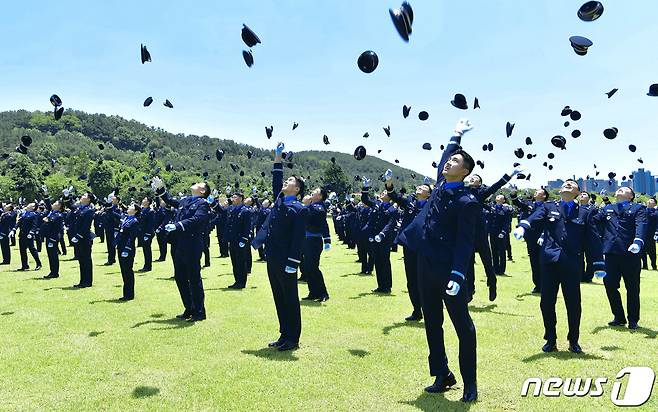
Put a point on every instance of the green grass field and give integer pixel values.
(67, 349)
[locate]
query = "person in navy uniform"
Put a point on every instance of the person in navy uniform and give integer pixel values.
(569, 230)
(499, 221)
(250, 206)
(587, 268)
(220, 222)
(650, 235)
(263, 212)
(379, 229)
(83, 238)
(317, 240)
(283, 235)
(52, 230)
(527, 208)
(146, 219)
(99, 230)
(624, 224)
(41, 213)
(443, 236)
(7, 226)
(189, 225)
(163, 216)
(212, 202)
(26, 224)
(410, 207)
(363, 245)
(482, 246)
(125, 243)
(112, 224)
(238, 234)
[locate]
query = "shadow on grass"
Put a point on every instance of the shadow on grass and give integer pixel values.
(93, 334)
(610, 348)
(561, 356)
(354, 274)
(145, 391)
(310, 303)
(436, 402)
(650, 333)
(172, 323)
(524, 295)
(7, 313)
(93, 302)
(379, 295)
(271, 354)
(18, 292)
(171, 278)
(359, 353)
(63, 288)
(387, 329)
(490, 309)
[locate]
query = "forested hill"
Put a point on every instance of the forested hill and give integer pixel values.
(100, 152)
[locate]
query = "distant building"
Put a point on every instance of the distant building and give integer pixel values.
(589, 185)
(644, 182)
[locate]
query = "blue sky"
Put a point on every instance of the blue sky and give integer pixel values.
(514, 56)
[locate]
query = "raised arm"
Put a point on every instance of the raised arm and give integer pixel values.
(277, 171)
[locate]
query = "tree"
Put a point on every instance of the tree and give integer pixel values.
(25, 177)
(101, 179)
(335, 179)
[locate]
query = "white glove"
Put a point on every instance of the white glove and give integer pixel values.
(288, 268)
(333, 196)
(519, 232)
(254, 190)
(370, 239)
(463, 126)
(157, 183)
(29, 236)
(74, 240)
(540, 241)
(279, 149)
(170, 227)
(44, 188)
(146, 238)
(600, 274)
(518, 169)
(501, 235)
(211, 199)
(634, 248)
(228, 190)
(366, 182)
(124, 254)
(265, 193)
(378, 238)
(655, 236)
(241, 244)
(214, 192)
(12, 233)
(66, 192)
(453, 288)
(327, 246)
(427, 180)
(388, 175)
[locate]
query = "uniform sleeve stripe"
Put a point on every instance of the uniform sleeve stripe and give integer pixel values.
(461, 275)
(599, 263)
(294, 260)
(638, 239)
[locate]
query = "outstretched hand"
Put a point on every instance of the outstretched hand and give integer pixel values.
(463, 126)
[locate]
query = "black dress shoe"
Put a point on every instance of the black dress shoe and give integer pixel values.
(81, 286)
(302, 279)
(50, 276)
(275, 344)
(159, 260)
(23, 269)
(536, 290)
(310, 297)
(550, 346)
(37, 268)
(493, 294)
(184, 315)
(142, 270)
(414, 317)
(632, 325)
(442, 383)
(322, 299)
(196, 318)
(108, 263)
(470, 393)
(574, 347)
(380, 290)
(125, 299)
(285, 346)
(617, 322)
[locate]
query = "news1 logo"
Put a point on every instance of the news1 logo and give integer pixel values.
(638, 388)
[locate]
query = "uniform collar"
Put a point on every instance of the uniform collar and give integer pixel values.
(386, 205)
(421, 203)
(453, 185)
(288, 199)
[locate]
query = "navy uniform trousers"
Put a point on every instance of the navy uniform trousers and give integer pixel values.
(432, 282)
(483, 249)
(24, 245)
(53, 257)
(128, 275)
(411, 270)
(381, 253)
(498, 248)
(627, 268)
(161, 236)
(6, 250)
(310, 266)
(650, 250)
(535, 267)
(239, 262)
(187, 272)
(111, 243)
(365, 256)
(83, 251)
(565, 273)
(286, 301)
(148, 251)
